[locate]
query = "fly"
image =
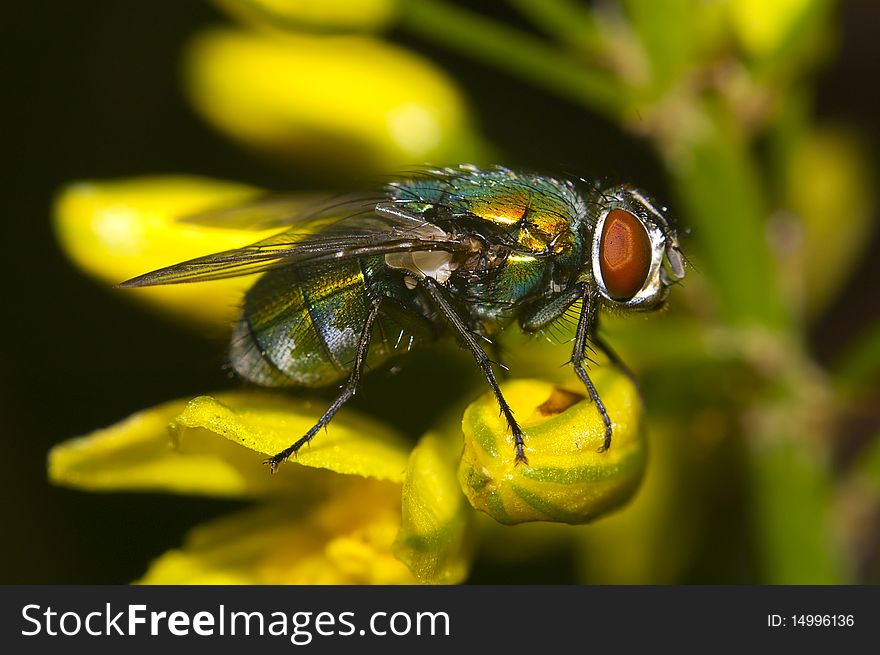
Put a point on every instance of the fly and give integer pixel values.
(467, 250)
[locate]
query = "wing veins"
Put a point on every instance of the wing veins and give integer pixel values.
(257, 258)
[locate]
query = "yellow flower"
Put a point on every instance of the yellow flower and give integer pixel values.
(351, 102)
(116, 230)
(330, 517)
(344, 539)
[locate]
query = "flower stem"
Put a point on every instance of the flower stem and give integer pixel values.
(566, 20)
(792, 512)
(515, 52)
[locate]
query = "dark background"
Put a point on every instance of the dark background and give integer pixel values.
(91, 91)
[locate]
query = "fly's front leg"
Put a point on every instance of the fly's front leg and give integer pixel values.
(348, 391)
(586, 325)
(543, 315)
(434, 290)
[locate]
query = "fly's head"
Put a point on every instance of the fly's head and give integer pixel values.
(635, 257)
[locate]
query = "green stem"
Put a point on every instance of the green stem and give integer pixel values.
(792, 511)
(724, 203)
(515, 52)
(566, 20)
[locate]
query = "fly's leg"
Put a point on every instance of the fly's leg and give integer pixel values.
(615, 360)
(348, 391)
(540, 317)
(498, 357)
(586, 324)
(433, 288)
(544, 315)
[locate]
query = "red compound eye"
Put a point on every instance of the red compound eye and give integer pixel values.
(624, 254)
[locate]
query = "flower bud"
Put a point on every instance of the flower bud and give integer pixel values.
(115, 230)
(349, 102)
(434, 540)
(566, 478)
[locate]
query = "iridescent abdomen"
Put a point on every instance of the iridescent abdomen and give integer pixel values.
(301, 325)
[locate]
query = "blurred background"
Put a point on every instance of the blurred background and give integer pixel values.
(757, 125)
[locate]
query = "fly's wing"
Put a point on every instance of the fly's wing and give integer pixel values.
(370, 226)
(282, 211)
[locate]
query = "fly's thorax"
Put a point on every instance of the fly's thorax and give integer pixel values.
(634, 253)
(526, 212)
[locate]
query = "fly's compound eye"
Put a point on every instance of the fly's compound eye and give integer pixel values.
(624, 254)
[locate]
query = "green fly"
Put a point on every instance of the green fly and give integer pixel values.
(462, 250)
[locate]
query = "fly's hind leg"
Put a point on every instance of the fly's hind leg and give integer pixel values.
(347, 392)
(433, 288)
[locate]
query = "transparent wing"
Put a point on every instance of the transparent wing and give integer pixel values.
(279, 211)
(368, 227)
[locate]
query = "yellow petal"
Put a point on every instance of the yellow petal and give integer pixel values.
(115, 230)
(352, 444)
(345, 540)
(342, 15)
(133, 454)
(566, 479)
(434, 538)
(206, 457)
(349, 101)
